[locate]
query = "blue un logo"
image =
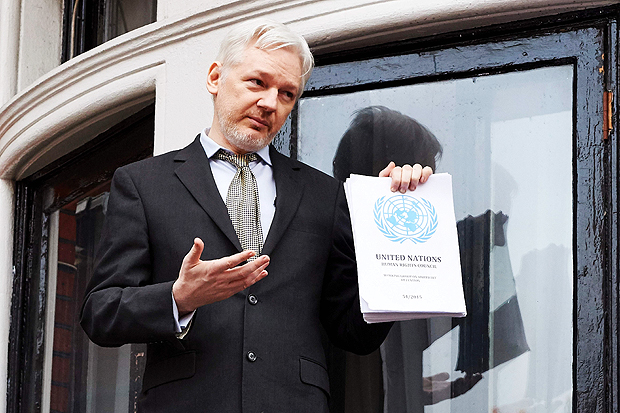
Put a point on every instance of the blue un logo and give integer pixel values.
(403, 217)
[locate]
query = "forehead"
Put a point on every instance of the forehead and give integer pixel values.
(283, 63)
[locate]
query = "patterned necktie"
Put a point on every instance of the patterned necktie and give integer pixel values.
(242, 202)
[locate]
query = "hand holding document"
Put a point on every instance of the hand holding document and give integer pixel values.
(407, 249)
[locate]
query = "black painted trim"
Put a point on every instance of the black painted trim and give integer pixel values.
(579, 39)
(68, 178)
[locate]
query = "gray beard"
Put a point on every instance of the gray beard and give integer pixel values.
(238, 139)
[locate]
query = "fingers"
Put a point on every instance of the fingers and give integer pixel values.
(240, 277)
(427, 171)
(230, 262)
(436, 388)
(464, 384)
(416, 173)
(406, 177)
(262, 274)
(439, 377)
(205, 282)
(386, 171)
(193, 256)
(249, 273)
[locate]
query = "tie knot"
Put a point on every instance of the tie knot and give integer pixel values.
(240, 161)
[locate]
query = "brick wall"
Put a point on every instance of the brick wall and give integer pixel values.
(66, 316)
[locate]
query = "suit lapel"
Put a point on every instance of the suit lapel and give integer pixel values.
(195, 173)
(289, 189)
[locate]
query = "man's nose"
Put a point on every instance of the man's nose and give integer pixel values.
(269, 100)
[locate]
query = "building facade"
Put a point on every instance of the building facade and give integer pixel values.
(519, 95)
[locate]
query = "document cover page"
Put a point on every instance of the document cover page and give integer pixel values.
(407, 249)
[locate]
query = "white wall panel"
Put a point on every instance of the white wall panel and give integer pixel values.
(40, 39)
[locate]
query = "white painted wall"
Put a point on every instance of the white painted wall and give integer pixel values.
(48, 110)
(6, 278)
(9, 48)
(40, 39)
(182, 45)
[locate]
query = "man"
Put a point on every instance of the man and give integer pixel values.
(224, 335)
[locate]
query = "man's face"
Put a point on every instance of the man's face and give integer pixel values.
(254, 98)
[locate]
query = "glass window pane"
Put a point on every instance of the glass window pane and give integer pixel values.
(91, 23)
(507, 141)
(84, 376)
(123, 16)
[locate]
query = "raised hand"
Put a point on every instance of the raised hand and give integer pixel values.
(205, 282)
(438, 387)
(406, 176)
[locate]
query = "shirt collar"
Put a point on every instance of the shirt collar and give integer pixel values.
(211, 147)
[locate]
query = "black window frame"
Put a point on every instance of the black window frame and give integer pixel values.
(90, 26)
(68, 178)
(521, 46)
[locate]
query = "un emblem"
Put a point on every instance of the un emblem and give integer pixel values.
(403, 217)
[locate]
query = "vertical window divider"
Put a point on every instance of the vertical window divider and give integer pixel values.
(610, 190)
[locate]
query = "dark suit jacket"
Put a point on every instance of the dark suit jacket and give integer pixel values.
(156, 208)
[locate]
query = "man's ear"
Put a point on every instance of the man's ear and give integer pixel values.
(214, 78)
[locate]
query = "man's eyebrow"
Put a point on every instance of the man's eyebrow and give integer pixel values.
(261, 73)
(256, 72)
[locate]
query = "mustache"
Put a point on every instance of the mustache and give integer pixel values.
(261, 117)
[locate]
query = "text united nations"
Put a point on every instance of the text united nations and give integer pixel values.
(408, 258)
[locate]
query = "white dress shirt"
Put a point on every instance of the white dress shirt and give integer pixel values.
(224, 171)
(223, 174)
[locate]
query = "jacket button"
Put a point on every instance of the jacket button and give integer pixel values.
(251, 356)
(252, 299)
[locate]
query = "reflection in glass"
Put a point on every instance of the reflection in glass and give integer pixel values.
(91, 23)
(84, 376)
(122, 16)
(507, 141)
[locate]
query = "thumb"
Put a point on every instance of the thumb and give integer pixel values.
(193, 256)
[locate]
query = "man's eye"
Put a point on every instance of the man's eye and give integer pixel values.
(257, 82)
(289, 95)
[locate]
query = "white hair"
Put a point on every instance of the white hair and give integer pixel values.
(265, 35)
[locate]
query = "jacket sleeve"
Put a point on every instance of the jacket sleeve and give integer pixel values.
(121, 304)
(340, 307)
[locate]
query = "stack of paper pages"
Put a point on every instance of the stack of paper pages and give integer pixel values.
(407, 249)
